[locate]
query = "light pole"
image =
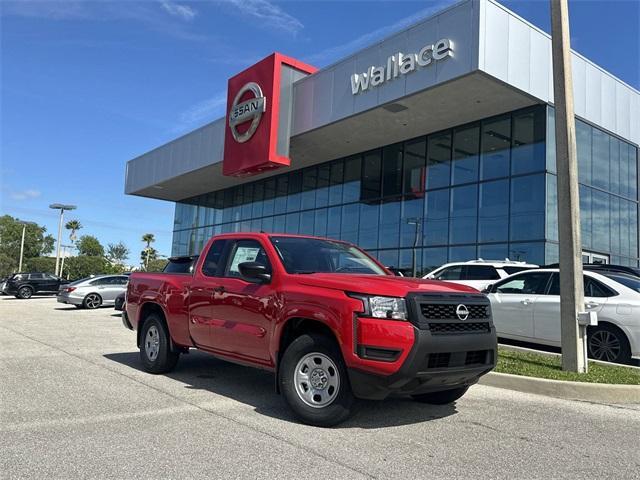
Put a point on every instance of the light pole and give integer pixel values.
(24, 229)
(62, 207)
(64, 254)
(571, 284)
(414, 221)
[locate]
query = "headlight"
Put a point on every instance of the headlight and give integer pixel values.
(392, 308)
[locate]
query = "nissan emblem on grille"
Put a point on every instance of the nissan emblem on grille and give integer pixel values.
(251, 109)
(462, 311)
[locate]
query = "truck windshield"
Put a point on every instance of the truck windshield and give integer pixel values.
(311, 255)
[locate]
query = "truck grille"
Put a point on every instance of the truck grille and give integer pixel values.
(441, 360)
(440, 311)
(459, 327)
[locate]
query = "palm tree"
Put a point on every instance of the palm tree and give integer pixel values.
(74, 226)
(148, 238)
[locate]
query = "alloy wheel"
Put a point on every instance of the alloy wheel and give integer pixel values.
(317, 380)
(92, 301)
(604, 345)
(25, 292)
(152, 343)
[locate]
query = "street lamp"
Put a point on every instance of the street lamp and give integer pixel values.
(64, 255)
(62, 207)
(24, 229)
(417, 222)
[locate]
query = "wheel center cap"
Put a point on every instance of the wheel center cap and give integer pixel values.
(318, 379)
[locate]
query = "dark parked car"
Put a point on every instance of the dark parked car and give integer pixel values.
(605, 268)
(119, 303)
(24, 285)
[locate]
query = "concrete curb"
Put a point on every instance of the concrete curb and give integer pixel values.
(591, 392)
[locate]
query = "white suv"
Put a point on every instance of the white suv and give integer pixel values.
(478, 274)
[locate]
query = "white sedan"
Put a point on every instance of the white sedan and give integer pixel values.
(526, 307)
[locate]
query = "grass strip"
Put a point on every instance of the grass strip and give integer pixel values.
(547, 366)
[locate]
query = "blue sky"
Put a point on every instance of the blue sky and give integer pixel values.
(88, 85)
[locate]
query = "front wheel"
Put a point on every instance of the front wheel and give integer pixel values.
(155, 346)
(441, 398)
(314, 381)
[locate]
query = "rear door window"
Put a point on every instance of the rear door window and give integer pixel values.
(592, 287)
(480, 272)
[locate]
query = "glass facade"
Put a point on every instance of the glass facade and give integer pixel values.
(485, 189)
(608, 176)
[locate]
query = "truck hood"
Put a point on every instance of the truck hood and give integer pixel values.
(384, 285)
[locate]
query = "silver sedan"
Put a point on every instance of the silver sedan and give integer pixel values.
(93, 292)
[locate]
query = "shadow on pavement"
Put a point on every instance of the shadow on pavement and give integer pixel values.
(255, 387)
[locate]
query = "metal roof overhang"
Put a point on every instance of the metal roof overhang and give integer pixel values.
(465, 99)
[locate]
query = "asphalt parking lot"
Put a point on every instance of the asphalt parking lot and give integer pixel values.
(75, 403)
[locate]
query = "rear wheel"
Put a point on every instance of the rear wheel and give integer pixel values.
(91, 301)
(608, 343)
(441, 398)
(155, 346)
(24, 293)
(314, 382)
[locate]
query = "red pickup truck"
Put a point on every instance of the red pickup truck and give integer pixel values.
(330, 322)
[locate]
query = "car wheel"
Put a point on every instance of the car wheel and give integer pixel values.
(91, 301)
(608, 343)
(441, 398)
(155, 349)
(24, 293)
(314, 381)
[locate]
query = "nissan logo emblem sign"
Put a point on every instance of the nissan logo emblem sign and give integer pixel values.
(462, 312)
(249, 110)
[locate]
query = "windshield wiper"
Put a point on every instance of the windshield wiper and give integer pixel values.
(305, 272)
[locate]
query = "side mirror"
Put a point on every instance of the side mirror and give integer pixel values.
(255, 271)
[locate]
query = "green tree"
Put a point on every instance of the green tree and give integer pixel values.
(40, 264)
(36, 241)
(148, 238)
(147, 255)
(90, 246)
(117, 252)
(83, 266)
(74, 226)
(156, 265)
(8, 265)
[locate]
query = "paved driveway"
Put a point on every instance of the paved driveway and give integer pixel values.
(74, 403)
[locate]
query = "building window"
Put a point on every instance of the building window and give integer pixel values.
(439, 161)
(528, 146)
(466, 146)
(496, 148)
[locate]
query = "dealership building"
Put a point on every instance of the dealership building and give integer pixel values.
(437, 141)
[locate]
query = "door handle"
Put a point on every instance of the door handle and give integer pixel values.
(592, 305)
(526, 301)
(219, 289)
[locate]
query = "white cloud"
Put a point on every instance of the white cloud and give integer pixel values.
(25, 194)
(335, 53)
(202, 112)
(272, 15)
(183, 12)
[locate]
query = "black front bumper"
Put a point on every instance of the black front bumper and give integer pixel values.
(436, 361)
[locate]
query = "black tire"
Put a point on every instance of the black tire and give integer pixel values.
(156, 357)
(24, 292)
(92, 301)
(609, 343)
(332, 375)
(441, 398)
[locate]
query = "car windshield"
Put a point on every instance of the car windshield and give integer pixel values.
(311, 255)
(627, 280)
